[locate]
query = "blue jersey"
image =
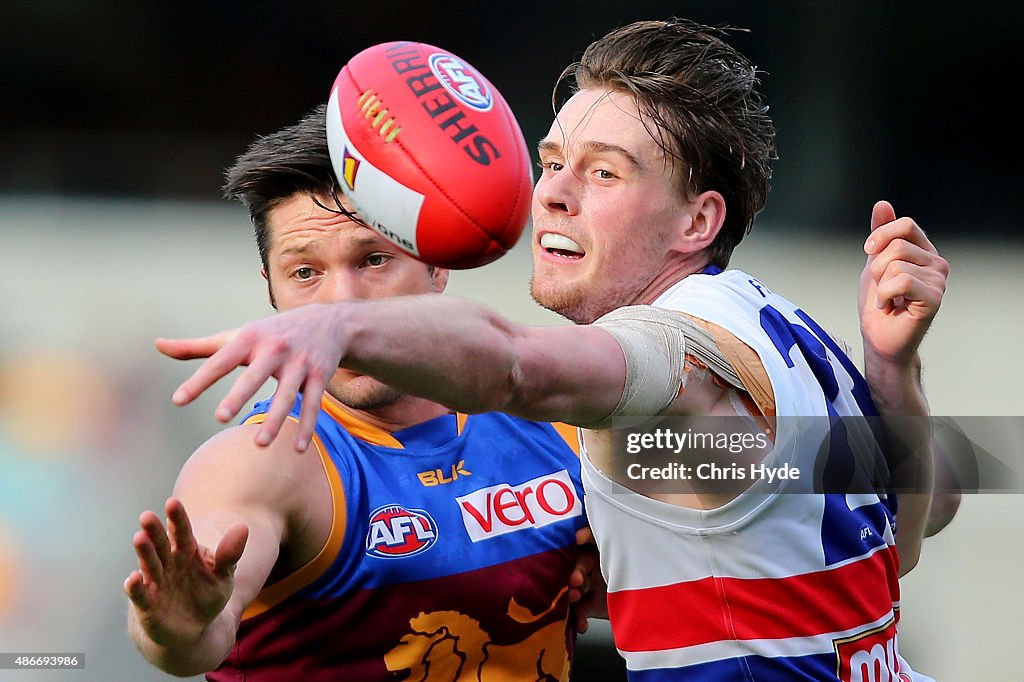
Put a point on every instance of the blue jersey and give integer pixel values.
(450, 556)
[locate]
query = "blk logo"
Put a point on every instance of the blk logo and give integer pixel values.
(434, 477)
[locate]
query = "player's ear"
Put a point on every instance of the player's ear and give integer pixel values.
(270, 289)
(439, 278)
(702, 219)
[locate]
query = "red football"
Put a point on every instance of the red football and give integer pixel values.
(429, 154)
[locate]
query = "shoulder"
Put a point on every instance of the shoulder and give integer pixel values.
(232, 469)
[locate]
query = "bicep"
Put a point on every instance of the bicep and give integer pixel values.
(223, 484)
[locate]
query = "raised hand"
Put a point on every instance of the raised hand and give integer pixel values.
(901, 286)
(180, 586)
(298, 347)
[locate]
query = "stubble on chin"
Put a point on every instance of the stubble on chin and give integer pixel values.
(363, 393)
(578, 303)
(564, 300)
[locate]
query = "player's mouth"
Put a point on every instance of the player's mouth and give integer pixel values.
(560, 247)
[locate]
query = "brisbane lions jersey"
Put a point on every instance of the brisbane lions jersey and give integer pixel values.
(449, 558)
(783, 582)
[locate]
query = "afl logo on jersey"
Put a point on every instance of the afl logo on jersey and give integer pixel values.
(397, 532)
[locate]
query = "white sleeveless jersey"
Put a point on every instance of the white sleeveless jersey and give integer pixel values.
(773, 586)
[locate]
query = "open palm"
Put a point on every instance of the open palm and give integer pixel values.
(180, 586)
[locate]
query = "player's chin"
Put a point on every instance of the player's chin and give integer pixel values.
(561, 296)
(362, 392)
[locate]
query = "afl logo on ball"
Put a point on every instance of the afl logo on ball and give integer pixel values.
(462, 81)
(397, 532)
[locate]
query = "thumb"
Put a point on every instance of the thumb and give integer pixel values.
(229, 549)
(882, 213)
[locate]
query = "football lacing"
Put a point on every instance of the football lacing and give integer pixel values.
(372, 108)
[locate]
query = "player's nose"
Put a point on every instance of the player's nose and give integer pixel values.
(342, 286)
(558, 192)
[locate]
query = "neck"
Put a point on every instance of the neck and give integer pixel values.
(405, 412)
(678, 267)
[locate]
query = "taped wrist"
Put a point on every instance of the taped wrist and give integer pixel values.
(655, 342)
(654, 351)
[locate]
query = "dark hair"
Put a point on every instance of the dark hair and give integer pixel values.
(698, 97)
(277, 166)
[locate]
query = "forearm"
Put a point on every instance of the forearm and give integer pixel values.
(446, 349)
(186, 656)
(465, 356)
(898, 395)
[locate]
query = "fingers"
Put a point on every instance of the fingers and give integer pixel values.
(215, 368)
(899, 249)
(903, 263)
(281, 405)
(579, 585)
(153, 551)
(191, 349)
(150, 566)
(183, 541)
(900, 253)
(135, 588)
(580, 580)
(585, 536)
(912, 277)
(311, 395)
(898, 228)
(229, 549)
(582, 622)
(909, 287)
(150, 523)
(245, 387)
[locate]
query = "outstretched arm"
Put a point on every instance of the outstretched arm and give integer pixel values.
(197, 575)
(443, 348)
(901, 289)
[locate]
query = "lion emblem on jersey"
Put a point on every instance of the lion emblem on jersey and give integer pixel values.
(448, 646)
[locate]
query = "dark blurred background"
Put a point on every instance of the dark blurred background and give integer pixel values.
(908, 101)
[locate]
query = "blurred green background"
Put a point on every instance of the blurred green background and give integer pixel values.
(120, 121)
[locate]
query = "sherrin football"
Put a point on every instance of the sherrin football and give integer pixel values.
(429, 154)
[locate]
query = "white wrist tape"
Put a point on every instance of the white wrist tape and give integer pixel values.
(655, 342)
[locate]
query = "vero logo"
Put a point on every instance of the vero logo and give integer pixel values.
(504, 508)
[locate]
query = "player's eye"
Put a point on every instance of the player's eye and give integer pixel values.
(375, 260)
(303, 273)
(551, 166)
(605, 174)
